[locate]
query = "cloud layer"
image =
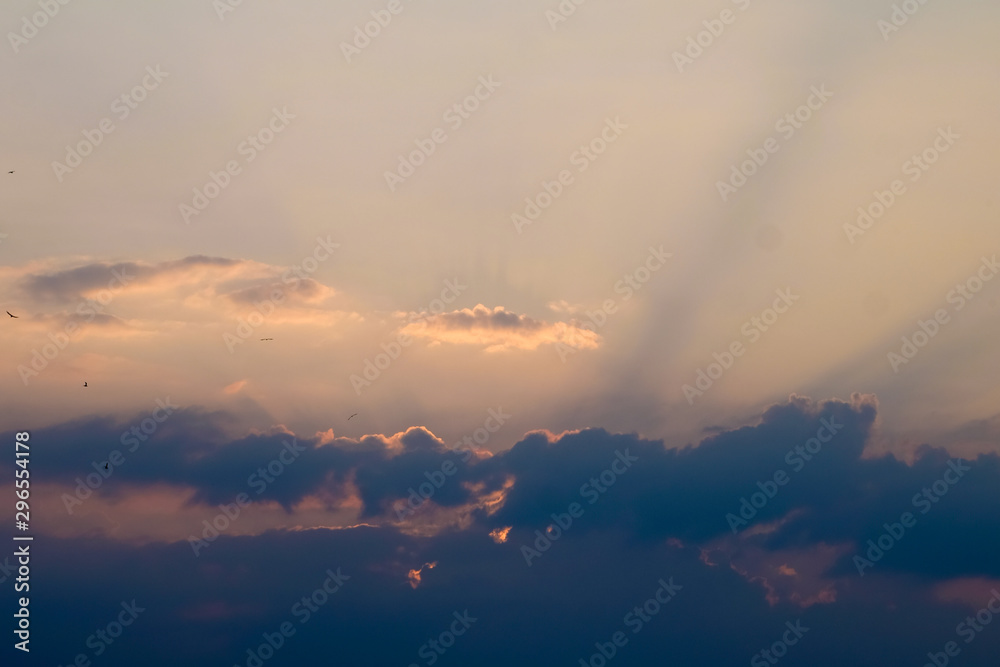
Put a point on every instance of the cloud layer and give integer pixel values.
(553, 540)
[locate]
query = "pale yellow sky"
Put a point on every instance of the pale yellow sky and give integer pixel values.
(345, 124)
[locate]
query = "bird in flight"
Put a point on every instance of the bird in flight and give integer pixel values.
(84, 384)
(352, 416)
(10, 172)
(105, 466)
(267, 339)
(14, 316)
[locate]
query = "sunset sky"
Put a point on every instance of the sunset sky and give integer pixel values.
(539, 234)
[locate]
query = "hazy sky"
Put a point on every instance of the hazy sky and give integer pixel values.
(653, 218)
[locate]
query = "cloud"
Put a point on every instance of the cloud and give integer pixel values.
(235, 387)
(579, 594)
(196, 282)
(75, 284)
(499, 329)
(129, 299)
(656, 514)
(304, 290)
(834, 496)
(414, 575)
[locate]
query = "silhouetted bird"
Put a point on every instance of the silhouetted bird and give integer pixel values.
(84, 384)
(105, 466)
(267, 339)
(14, 316)
(352, 416)
(10, 172)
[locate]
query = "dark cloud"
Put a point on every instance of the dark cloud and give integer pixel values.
(209, 610)
(301, 288)
(69, 285)
(663, 516)
(832, 496)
